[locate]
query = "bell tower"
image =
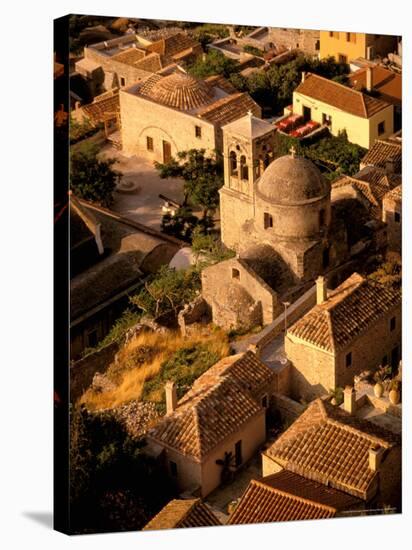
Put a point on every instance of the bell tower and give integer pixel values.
(248, 148)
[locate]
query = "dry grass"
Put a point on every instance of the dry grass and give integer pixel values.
(141, 359)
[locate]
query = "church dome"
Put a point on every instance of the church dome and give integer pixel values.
(181, 91)
(292, 180)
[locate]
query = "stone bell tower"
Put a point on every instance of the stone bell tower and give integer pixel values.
(248, 145)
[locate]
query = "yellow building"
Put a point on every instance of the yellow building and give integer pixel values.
(339, 107)
(347, 46)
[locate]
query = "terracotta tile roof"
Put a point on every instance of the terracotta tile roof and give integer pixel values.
(183, 513)
(172, 45)
(286, 496)
(383, 151)
(348, 311)
(229, 108)
(102, 108)
(395, 194)
(340, 96)
(129, 56)
(386, 82)
(221, 82)
(373, 184)
(151, 63)
(328, 445)
(220, 401)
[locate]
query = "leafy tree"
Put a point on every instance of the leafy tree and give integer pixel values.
(91, 178)
(209, 247)
(113, 485)
(202, 177)
(181, 225)
(214, 62)
(388, 273)
(168, 291)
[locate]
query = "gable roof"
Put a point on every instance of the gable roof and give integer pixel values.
(348, 311)
(340, 96)
(372, 183)
(386, 82)
(328, 445)
(129, 56)
(218, 404)
(103, 107)
(286, 496)
(172, 45)
(229, 108)
(183, 513)
(383, 151)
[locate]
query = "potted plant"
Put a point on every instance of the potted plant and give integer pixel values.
(378, 389)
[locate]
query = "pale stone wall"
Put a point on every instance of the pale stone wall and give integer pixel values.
(215, 276)
(235, 211)
(252, 434)
(143, 118)
(305, 40)
(360, 130)
(316, 371)
(189, 472)
(390, 207)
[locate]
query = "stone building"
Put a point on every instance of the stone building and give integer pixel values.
(180, 514)
(332, 447)
(364, 118)
(131, 58)
(392, 216)
(173, 111)
(221, 418)
(369, 186)
(110, 256)
(332, 343)
(286, 496)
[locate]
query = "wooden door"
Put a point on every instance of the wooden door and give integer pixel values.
(167, 152)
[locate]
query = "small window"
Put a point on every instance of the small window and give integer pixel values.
(397, 217)
(330, 34)
(122, 81)
(348, 359)
(322, 217)
(233, 163)
(235, 273)
(198, 131)
(325, 258)
(149, 143)
(265, 401)
(343, 58)
(244, 170)
(267, 220)
(393, 323)
(173, 468)
(381, 128)
(317, 45)
(348, 37)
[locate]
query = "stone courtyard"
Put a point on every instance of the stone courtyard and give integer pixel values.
(143, 185)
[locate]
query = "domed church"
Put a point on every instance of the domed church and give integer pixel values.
(283, 204)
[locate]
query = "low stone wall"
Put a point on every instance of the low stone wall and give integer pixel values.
(83, 370)
(288, 409)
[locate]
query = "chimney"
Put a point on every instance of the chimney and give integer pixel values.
(369, 79)
(349, 400)
(303, 76)
(375, 457)
(171, 397)
(321, 291)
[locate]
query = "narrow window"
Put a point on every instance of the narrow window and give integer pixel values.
(343, 58)
(393, 323)
(397, 217)
(122, 81)
(322, 217)
(149, 143)
(325, 258)
(317, 45)
(381, 128)
(265, 401)
(198, 131)
(244, 170)
(233, 163)
(348, 37)
(348, 359)
(235, 273)
(331, 34)
(267, 220)
(238, 453)
(173, 468)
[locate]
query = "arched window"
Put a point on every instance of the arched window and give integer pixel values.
(233, 163)
(267, 220)
(244, 170)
